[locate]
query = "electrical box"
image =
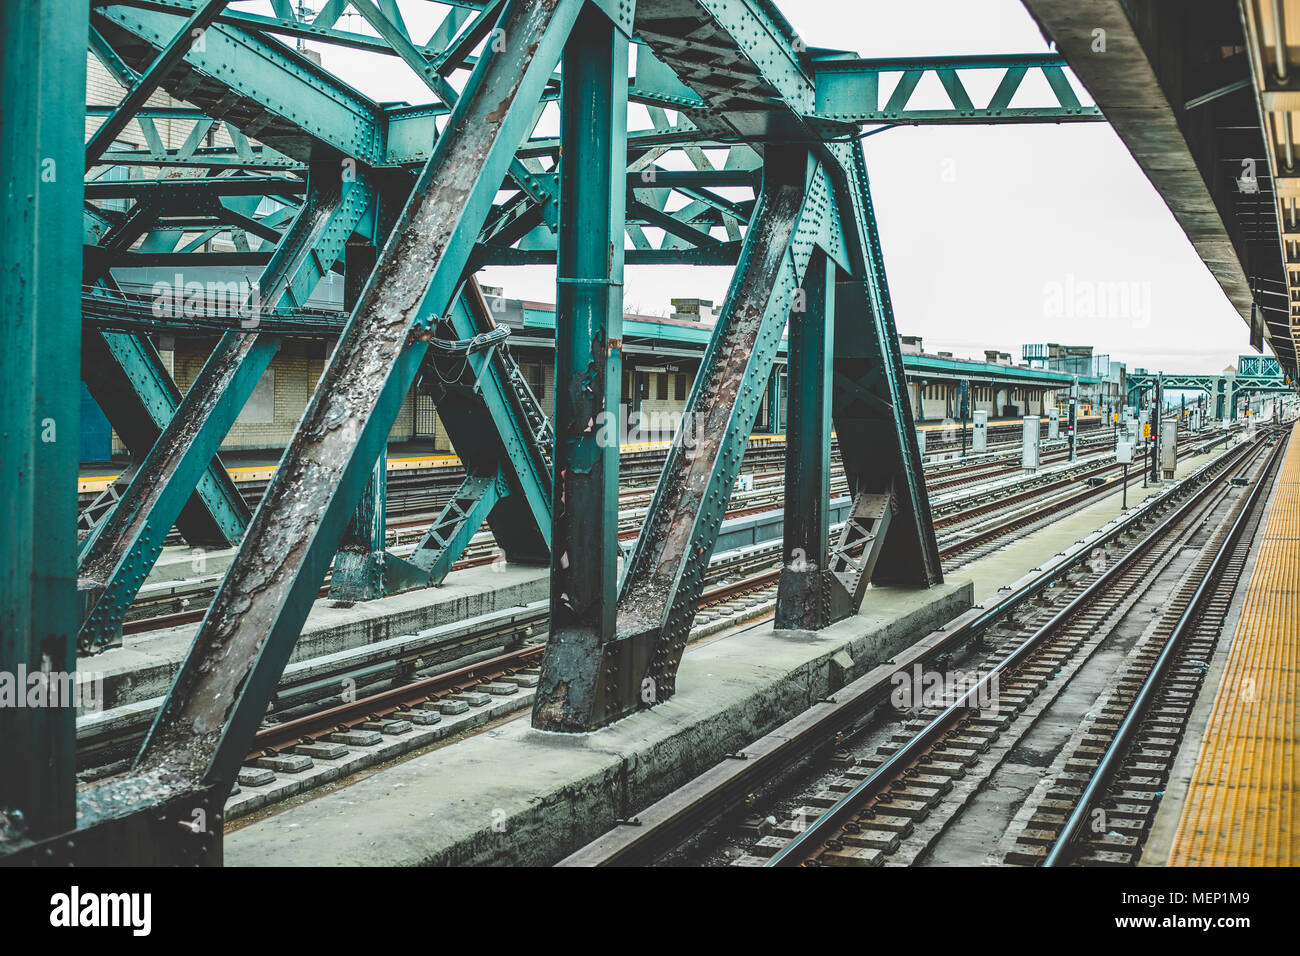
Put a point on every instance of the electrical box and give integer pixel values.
(1029, 448)
(1168, 452)
(1124, 452)
(980, 432)
(1053, 422)
(920, 440)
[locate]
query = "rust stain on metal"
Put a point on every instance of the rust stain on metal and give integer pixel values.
(274, 553)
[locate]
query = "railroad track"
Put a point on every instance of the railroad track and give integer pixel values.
(1144, 719)
(188, 608)
(893, 794)
(889, 795)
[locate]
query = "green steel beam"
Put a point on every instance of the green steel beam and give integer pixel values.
(451, 532)
(42, 87)
(211, 714)
(873, 418)
(573, 689)
(522, 428)
(255, 84)
(280, 186)
(807, 596)
(849, 90)
(111, 572)
(188, 36)
(130, 384)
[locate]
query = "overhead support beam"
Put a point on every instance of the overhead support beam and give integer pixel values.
(189, 35)
(575, 680)
(42, 87)
(255, 84)
(849, 90)
(188, 188)
(208, 721)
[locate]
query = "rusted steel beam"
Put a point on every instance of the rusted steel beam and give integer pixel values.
(588, 365)
(806, 596)
(208, 720)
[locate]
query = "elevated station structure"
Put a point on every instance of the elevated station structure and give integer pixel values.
(302, 177)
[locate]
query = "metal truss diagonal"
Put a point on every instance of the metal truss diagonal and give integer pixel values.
(210, 716)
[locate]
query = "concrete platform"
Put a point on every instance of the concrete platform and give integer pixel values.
(143, 667)
(1230, 800)
(516, 796)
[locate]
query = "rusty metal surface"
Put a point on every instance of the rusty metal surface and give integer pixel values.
(665, 574)
(203, 729)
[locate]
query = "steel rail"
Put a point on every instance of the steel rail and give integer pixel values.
(720, 786)
(1119, 745)
(804, 846)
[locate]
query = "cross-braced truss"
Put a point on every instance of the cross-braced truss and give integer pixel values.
(743, 151)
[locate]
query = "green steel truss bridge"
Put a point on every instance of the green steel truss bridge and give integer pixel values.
(296, 174)
(1254, 375)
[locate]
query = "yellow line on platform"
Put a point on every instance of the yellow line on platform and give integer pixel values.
(1241, 805)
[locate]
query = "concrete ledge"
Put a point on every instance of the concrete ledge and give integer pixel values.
(146, 664)
(516, 796)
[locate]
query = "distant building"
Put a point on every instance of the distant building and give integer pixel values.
(1102, 382)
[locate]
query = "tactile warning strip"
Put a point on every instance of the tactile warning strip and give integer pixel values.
(1241, 806)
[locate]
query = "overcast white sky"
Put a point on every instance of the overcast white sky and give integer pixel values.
(986, 229)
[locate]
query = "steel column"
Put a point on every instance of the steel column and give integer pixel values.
(588, 369)
(358, 566)
(774, 403)
(665, 574)
(42, 87)
(803, 597)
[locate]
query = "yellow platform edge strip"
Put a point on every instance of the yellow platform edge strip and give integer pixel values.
(97, 483)
(1241, 804)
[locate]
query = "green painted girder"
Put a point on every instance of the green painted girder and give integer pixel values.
(574, 688)
(525, 433)
(872, 415)
(849, 90)
(1211, 383)
(258, 186)
(188, 35)
(42, 87)
(451, 532)
(129, 382)
(211, 715)
(114, 567)
(722, 254)
(664, 576)
(259, 157)
(255, 84)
